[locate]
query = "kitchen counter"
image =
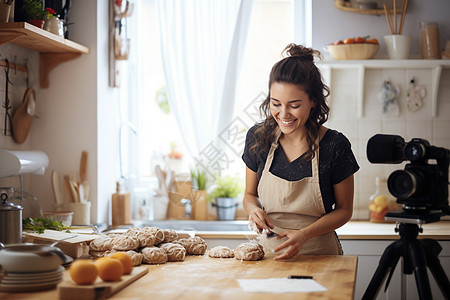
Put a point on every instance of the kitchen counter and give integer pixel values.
(353, 230)
(202, 277)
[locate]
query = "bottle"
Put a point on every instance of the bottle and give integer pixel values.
(430, 45)
(381, 201)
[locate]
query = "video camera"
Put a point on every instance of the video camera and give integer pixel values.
(421, 187)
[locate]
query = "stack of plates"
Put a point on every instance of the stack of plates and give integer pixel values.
(26, 282)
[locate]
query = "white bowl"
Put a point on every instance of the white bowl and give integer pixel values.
(27, 258)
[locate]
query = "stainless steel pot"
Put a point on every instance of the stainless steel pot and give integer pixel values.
(10, 218)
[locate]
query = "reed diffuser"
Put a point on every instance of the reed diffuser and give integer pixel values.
(397, 44)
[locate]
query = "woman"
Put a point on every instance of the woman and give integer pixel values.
(299, 174)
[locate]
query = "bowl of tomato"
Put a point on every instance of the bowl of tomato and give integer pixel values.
(354, 48)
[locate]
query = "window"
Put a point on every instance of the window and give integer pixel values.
(158, 134)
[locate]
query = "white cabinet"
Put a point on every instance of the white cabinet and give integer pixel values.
(401, 286)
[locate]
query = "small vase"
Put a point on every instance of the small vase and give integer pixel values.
(55, 26)
(37, 23)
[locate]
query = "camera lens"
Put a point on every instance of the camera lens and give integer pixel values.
(403, 184)
(414, 151)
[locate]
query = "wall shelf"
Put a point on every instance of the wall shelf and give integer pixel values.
(435, 65)
(345, 6)
(53, 49)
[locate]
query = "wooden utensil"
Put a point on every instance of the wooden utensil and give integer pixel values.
(21, 121)
(56, 181)
(84, 184)
(68, 189)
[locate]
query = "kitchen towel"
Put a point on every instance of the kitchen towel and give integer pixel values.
(281, 285)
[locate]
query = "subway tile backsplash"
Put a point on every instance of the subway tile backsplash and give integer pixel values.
(419, 124)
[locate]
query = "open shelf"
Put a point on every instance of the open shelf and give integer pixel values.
(345, 5)
(53, 49)
(360, 66)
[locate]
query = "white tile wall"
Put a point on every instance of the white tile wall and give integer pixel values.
(420, 124)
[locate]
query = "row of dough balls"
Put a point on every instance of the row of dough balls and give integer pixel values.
(149, 245)
(244, 251)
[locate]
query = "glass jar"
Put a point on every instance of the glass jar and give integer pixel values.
(430, 45)
(381, 201)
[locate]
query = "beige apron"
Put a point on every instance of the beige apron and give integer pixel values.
(295, 205)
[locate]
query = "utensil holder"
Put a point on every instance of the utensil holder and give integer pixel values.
(81, 213)
(5, 10)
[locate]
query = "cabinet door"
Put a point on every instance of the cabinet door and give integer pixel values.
(369, 253)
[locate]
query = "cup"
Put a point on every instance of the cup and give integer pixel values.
(5, 10)
(81, 213)
(398, 46)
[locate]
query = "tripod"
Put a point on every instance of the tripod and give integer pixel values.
(417, 256)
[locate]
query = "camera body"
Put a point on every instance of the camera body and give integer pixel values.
(421, 187)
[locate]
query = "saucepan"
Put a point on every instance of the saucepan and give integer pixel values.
(29, 257)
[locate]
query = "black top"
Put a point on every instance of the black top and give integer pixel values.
(336, 163)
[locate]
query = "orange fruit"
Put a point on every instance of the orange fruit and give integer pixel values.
(109, 269)
(83, 271)
(126, 261)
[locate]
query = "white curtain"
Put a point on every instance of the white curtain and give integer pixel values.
(202, 45)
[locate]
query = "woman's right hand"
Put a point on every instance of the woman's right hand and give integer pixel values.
(260, 219)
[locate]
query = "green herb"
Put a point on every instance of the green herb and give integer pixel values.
(40, 224)
(199, 179)
(226, 187)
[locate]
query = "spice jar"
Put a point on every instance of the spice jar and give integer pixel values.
(381, 201)
(430, 40)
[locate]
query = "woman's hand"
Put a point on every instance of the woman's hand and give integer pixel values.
(261, 220)
(293, 244)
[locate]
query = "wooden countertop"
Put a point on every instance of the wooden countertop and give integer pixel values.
(202, 277)
(353, 230)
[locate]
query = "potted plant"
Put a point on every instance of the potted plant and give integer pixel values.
(199, 197)
(34, 12)
(225, 194)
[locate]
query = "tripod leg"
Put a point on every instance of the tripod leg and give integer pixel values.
(388, 261)
(417, 256)
(432, 250)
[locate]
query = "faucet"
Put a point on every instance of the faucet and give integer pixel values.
(187, 207)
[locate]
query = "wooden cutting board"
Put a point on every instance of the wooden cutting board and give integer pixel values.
(99, 290)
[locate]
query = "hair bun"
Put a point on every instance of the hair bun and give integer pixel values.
(299, 51)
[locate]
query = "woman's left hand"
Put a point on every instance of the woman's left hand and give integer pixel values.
(293, 244)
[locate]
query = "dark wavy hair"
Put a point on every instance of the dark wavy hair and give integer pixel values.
(297, 67)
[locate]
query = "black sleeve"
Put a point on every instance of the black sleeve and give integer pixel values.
(344, 162)
(249, 157)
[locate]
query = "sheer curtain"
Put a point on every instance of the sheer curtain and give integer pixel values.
(202, 45)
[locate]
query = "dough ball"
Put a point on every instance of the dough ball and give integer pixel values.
(158, 233)
(124, 243)
(221, 252)
(102, 243)
(175, 252)
(170, 235)
(249, 251)
(154, 255)
(193, 245)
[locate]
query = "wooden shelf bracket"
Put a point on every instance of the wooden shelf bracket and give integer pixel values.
(49, 61)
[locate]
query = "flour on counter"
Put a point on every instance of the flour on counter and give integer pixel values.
(281, 285)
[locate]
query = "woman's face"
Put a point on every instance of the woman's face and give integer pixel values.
(290, 106)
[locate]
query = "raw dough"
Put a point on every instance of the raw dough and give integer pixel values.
(193, 245)
(175, 252)
(124, 243)
(249, 251)
(158, 233)
(170, 235)
(102, 243)
(221, 252)
(154, 255)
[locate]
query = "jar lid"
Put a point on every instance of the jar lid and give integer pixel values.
(6, 205)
